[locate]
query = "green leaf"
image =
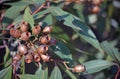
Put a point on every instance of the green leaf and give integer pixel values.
(28, 76)
(6, 73)
(40, 14)
(39, 1)
(17, 19)
(28, 17)
(20, 3)
(6, 54)
(71, 75)
(7, 59)
(56, 74)
(96, 65)
(77, 25)
(47, 20)
(60, 33)
(111, 50)
(62, 51)
(11, 14)
(42, 73)
(8, 62)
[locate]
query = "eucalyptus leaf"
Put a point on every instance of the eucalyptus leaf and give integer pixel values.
(28, 76)
(62, 51)
(56, 73)
(6, 54)
(47, 20)
(77, 25)
(60, 33)
(38, 1)
(94, 66)
(111, 50)
(6, 73)
(28, 17)
(8, 62)
(40, 14)
(11, 14)
(20, 3)
(42, 73)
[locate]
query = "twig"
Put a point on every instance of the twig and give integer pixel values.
(41, 6)
(117, 74)
(38, 9)
(2, 46)
(10, 26)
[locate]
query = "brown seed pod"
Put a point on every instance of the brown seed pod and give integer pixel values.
(22, 49)
(15, 33)
(25, 36)
(45, 57)
(79, 1)
(52, 42)
(79, 68)
(36, 57)
(95, 9)
(36, 30)
(24, 27)
(28, 58)
(16, 58)
(42, 49)
(47, 30)
(96, 2)
(45, 39)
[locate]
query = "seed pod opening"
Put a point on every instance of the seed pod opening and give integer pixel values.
(25, 36)
(25, 23)
(36, 57)
(45, 39)
(36, 30)
(42, 49)
(28, 58)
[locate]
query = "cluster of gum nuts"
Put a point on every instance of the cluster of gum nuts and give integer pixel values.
(35, 50)
(93, 5)
(32, 50)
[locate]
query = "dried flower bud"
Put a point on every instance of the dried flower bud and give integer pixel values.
(47, 30)
(28, 58)
(36, 57)
(45, 39)
(25, 36)
(22, 49)
(42, 49)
